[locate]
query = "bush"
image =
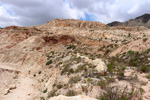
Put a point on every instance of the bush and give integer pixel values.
(52, 52)
(120, 72)
(39, 72)
(67, 70)
(42, 98)
(107, 51)
(59, 86)
(81, 68)
(101, 83)
(70, 93)
(130, 52)
(71, 47)
(110, 67)
(45, 90)
(52, 93)
(49, 62)
(145, 39)
(115, 93)
(133, 62)
(34, 75)
(147, 51)
(75, 79)
(144, 69)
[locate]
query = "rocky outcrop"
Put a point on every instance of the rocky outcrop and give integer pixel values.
(62, 39)
(100, 65)
(76, 24)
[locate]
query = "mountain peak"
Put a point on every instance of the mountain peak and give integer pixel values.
(143, 20)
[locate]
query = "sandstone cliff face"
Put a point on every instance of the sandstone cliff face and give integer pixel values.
(76, 24)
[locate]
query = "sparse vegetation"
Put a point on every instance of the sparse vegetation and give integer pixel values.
(71, 64)
(52, 93)
(135, 59)
(115, 93)
(49, 62)
(81, 68)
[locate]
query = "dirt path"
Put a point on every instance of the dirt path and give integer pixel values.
(19, 86)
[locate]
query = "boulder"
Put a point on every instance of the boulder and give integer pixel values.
(100, 66)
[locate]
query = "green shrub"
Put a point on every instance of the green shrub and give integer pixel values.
(81, 68)
(74, 79)
(59, 86)
(52, 52)
(148, 76)
(45, 90)
(54, 85)
(84, 89)
(52, 93)
(49, 62)
(147, 51)
(42, 98)
(120, 72)
(115, 93)
(110, 67)
(71, 47)
(129, 35)
(70, 93)
(107, 51)
(66, 69)
(34, 75)
(144, 69)
(133, 62)
(145, 39)
(89, 80)
(102, 83)
(130, 52)
(39, 72)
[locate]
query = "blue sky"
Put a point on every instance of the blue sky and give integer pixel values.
(35, 12)
(88, 17)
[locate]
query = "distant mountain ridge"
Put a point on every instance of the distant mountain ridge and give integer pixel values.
(143, 20)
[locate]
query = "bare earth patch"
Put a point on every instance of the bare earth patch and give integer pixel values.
(16, 86)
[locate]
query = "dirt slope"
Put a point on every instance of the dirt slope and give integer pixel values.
(65, 57)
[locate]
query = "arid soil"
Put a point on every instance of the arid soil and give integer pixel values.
(81, 59)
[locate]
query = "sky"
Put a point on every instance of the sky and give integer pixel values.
(36, 12)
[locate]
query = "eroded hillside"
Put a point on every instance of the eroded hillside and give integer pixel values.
(72, 57)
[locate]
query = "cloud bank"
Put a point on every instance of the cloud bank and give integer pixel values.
(35, 12)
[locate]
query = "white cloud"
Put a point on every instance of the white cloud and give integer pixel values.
(34, 12)
(5, 17)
